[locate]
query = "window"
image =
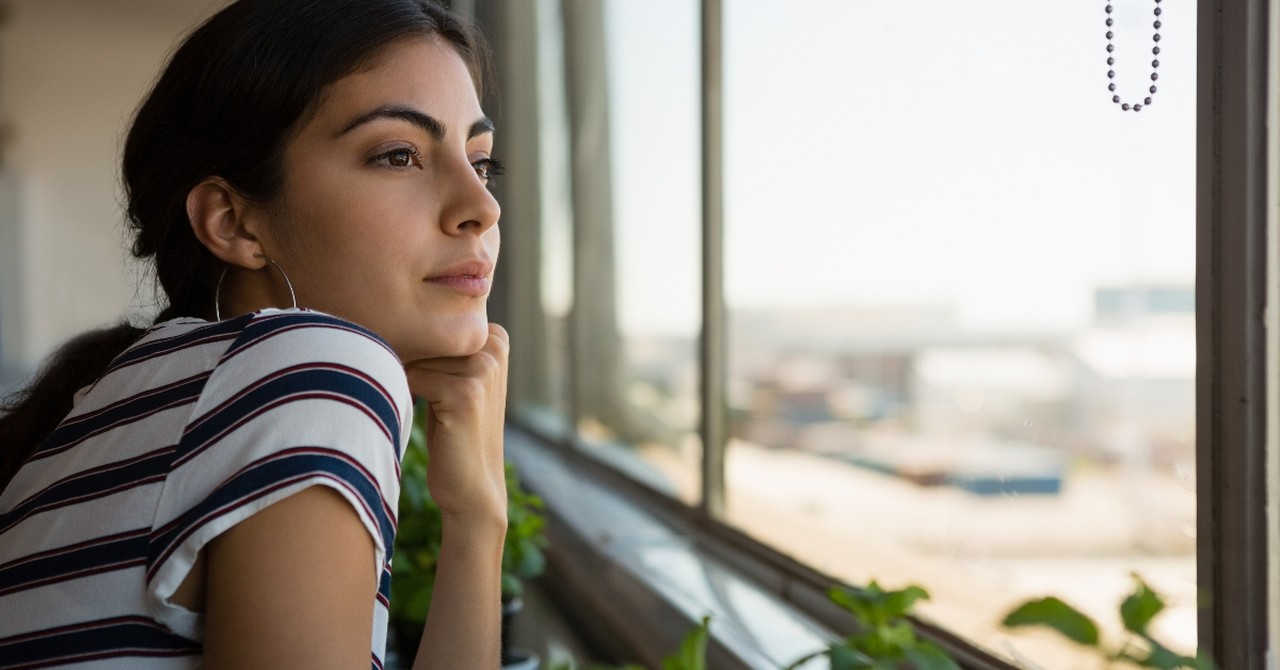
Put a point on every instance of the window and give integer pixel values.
(961, 303)
(617, 274)
(964, 295)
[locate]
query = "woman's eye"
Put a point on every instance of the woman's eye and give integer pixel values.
(488, 169)
(401, 157)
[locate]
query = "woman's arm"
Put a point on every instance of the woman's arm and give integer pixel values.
(293, 584)
(291, 587)
(464, 624)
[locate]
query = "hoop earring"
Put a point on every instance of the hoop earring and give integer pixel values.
(217, 289)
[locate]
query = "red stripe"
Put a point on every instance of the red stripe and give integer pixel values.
(123, 652)
(283, 400)
(127, 535)
(177, 402)
(165, 351)
(71, 421)
(305, 326)
(93, 471)
(76, 500)
(340, 328)
(77, 627)
(78, 574)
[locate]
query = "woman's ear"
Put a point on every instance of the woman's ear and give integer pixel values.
(223, 222)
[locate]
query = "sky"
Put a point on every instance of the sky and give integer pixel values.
(929, 152)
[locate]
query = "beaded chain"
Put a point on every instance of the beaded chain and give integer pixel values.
(1155, 63)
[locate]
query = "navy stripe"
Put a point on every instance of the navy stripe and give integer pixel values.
(213, 332)
(92, 484)
(338, 383)
(103, 554)
(266, 325)
(129, 410)
(278, 471)
(107, 638)
(384, 583)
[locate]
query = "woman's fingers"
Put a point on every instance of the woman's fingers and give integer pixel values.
(490, 360)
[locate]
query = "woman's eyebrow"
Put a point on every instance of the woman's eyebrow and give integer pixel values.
(429, 124)
(426, 122)
(484, 125)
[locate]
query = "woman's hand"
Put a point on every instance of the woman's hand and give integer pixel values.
(466, 401)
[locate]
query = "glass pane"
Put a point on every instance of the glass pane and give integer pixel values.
(961, 291)
(538, 221)
(637, 296)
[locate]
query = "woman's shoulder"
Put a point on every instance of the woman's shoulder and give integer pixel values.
(292, 348)
(299, 336)
(305, 327)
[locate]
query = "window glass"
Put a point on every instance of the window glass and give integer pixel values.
(961, 303)
(638, 294)
(538, 223)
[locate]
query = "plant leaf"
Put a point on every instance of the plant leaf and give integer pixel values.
(1204, 661)
(861, 603)
(1140, 607)
(897, 637)
(1163, 658)
(899, 603)
(693, 650)
(926, 656)
(1058, 615)
(844, 657)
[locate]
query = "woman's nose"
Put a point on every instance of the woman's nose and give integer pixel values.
(472, 209)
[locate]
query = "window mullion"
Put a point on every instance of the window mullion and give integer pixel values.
(712, 341)
(1231, 332)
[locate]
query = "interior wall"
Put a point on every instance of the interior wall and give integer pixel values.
(71, 74)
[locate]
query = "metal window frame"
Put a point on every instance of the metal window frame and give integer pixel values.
(1231, 333)
(713, 349)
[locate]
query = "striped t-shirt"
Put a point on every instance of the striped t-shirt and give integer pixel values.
(190, 431)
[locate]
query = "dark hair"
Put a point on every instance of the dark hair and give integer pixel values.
(226, 105)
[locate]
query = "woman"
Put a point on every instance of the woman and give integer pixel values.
(219, 490)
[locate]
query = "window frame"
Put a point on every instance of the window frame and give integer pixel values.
(1232, 289)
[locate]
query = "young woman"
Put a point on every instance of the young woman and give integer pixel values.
(310, 179)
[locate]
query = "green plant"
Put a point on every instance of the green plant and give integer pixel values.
(526, 540)
(692, 654)
(413, 565)
(418, 536)
(1136, 613)
(886, 638)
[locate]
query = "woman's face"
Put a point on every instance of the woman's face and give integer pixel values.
(386, 218)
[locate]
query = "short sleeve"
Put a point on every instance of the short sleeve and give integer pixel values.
(299, 399)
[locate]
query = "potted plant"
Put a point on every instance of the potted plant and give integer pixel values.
(885, 638)
(522, 559)
(417, 547)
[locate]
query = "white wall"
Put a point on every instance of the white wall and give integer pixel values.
(71, 74)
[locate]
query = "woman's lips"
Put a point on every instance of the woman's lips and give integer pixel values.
(465, 284)
(469, 277)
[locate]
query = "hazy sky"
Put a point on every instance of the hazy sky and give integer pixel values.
(931, 151)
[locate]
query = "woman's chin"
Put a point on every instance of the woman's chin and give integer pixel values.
(462, 340)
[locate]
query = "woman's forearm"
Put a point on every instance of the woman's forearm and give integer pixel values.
(463, 628)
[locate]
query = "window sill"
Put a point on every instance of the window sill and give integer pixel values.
(635, 584)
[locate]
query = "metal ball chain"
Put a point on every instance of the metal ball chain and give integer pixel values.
(1155, 62)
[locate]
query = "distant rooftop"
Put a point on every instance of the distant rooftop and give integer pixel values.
(1122, 303)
